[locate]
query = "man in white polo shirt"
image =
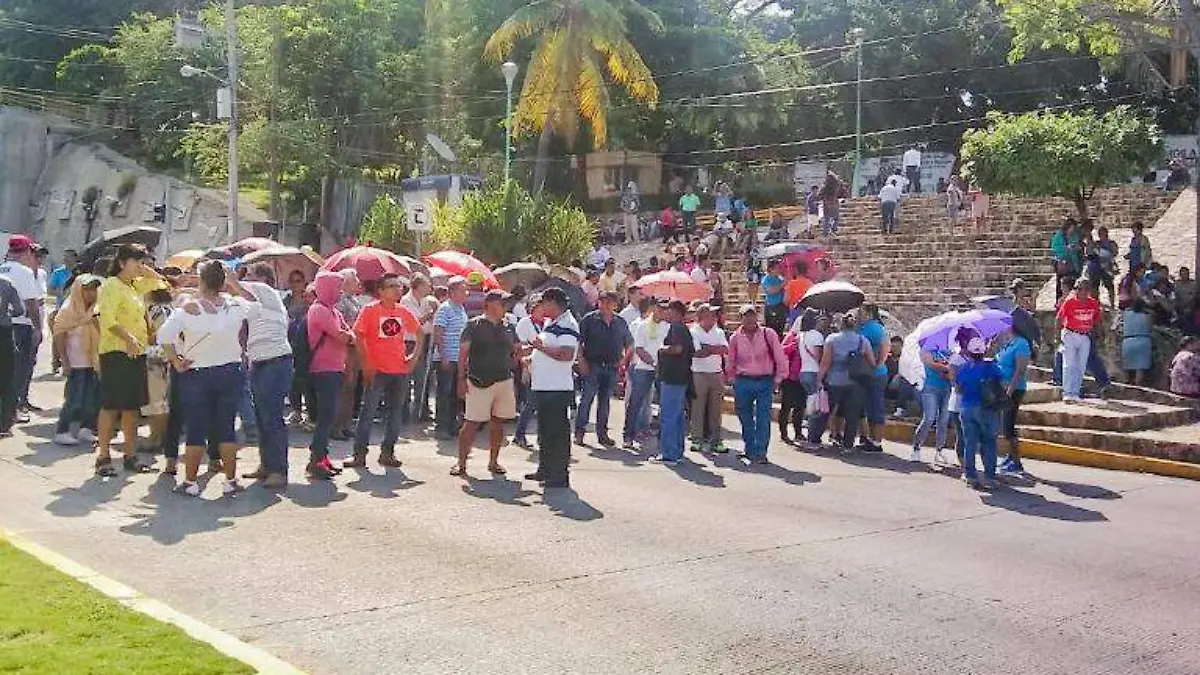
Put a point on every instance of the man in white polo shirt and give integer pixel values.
(912, 169)
(553, 384)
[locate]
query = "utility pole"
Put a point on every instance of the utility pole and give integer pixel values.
(231, 39)
(857, 34)
(276, 160)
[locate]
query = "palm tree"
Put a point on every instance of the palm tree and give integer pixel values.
(579, 41)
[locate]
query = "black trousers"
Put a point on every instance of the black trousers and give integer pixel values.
(448, 403)
(776, 318)
(8, 399)
(791, 408)
(554, 436)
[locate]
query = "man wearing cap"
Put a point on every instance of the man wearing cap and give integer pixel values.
(448, 324)
(19, 270)
(485, 381)
(647, 340)
(756, 366)
(382, 333)
(553, 385)
(605, 339)
(710, 344)
(674, 372)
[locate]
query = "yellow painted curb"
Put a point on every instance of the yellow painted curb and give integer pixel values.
(1067, 454)
(223, 642)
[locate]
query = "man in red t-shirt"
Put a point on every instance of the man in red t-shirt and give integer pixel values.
(383, 332)
(1078, 314)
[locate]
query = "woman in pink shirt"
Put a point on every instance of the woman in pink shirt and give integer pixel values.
(328, 339)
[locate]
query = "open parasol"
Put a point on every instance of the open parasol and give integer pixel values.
(285, 260)
(937, 332)
(833, 296)
(673, 285)
(136, 234)
(529, 275)
(371, 263)
(462, 264)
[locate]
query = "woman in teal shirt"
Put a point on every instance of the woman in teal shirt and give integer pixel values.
(1013, 358)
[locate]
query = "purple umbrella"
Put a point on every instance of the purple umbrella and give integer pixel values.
(936, 333)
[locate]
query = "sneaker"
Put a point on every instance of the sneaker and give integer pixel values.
(257, 474)
(21, 417)
(987, 484)
(319, 471)
(230, 487)
(607, 442)
(939, 458)
(189, 488)
(358, 461)
(720, 448)
(65, 438)
(659, 459)
(915, 457)
(387, 459)
(898, 412)
(696, 446)
(86, 435)
(275, 481)
(579, 438)
(523, 443)
(630, 445)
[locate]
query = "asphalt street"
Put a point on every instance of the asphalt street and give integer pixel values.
(815, 564)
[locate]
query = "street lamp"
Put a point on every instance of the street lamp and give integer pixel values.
(856, 34)
(509, 69)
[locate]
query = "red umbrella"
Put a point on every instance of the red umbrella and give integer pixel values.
(370, 263)
(240, 249)
(673, 285)
(462, 264)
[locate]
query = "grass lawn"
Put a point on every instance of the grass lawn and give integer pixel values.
(50, 623)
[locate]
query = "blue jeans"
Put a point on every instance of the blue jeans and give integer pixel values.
(389, 388)
(752, 399)
(979, 429)
(271, 380)
(175, 423)
(643, 382)
(210, 398)
(525, 416)
(598, 386)
(414, 399)
(829, 224)
(81, 400)
(327, 386)
(888, 211)
(23, 360)
(935, 409)
(671, 421)
(1095, 366)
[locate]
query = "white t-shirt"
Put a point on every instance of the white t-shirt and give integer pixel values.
(912, 157)
(267, 337)
(598, 257)
(205, 339)
(699, 275)
(42, 280)
(631, 315)
(550, 374)
(890, 192)
(24, 281)
(809, 363)
(710, 338)
(417, 307)
(650, 336)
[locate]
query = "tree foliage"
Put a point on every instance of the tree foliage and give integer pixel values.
(1059, 154)
(504, 223)
(386, 225)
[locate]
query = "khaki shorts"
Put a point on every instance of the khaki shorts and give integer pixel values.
(498, 401)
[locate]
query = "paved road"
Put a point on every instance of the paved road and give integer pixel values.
(817, 564)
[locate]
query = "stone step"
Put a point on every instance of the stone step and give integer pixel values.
(1180, 443)
(1101, 415)
(1120, 391)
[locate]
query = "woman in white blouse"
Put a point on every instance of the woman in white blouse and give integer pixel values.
(204, 341)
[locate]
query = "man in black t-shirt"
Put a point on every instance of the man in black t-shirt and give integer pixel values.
(674, 371)
(485, 381)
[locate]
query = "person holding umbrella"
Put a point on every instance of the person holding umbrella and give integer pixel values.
(756, 366)
(975, 376)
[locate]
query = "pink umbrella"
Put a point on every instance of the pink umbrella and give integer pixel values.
(240, 249)
(462, 264)
(370, 263)
(285, 260)
(673, 285)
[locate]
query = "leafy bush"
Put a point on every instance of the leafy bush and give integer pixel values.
(503, 224)
(386, 225)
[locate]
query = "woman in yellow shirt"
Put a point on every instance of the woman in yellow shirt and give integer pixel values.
(124, 335)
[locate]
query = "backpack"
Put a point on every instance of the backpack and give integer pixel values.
(302, 354)
(860, 371)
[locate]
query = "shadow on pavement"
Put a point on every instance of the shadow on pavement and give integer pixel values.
(384, 485)
(1031, 504)
(40, 429)
(878, 460)
(567, 503)
(47, 454)
(617, 454)
(789, 476)
(176, 515)
(315, 494)
(698, 474)
(77, 502)
(498, 489)
(1080, 490)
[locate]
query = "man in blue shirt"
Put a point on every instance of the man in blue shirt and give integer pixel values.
(876, 390)
(1013, 359)
(773, 294)
(448, 324)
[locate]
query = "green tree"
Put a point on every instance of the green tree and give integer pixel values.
(386, 225)
(578, 43)
(504, 223)
(1059, 154)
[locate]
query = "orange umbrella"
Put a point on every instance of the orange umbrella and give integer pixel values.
(673, 285)
(462, 264)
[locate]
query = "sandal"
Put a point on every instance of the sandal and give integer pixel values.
(457, 470)
(498, 470)
(104, 467)
(136, 465)
(171, 468)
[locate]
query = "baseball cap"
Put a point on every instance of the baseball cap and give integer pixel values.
(88, 280)
(747, 309)
(1016, 283)
(496, 296)
(455, 281)
(20, 242)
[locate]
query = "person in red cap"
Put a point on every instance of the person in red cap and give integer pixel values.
(20, 269)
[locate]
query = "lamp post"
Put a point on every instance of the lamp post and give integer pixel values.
(857, 35)
(509, 69)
